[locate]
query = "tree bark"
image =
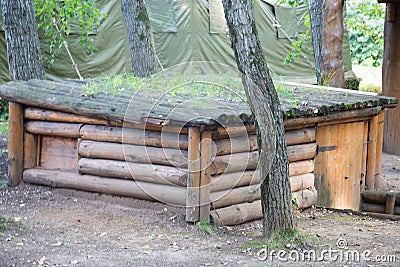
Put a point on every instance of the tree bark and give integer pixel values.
(264, 102)
(23, 46)
(332, 68)
(144, 58)
(315, 10)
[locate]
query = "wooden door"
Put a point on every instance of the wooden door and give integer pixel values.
(339, 167)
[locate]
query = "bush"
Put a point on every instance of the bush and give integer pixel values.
(352, 83)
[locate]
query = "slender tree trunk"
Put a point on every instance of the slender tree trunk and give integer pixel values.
(23, 46)
(264, 102)
(315, 9)
(332, 43)
(144, 58)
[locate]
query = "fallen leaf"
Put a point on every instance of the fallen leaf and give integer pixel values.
(103, 234)
(20, 244)
(57, 244)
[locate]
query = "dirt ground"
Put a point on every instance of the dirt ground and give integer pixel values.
(58, 227)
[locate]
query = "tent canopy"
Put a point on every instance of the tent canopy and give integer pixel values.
(184, 31)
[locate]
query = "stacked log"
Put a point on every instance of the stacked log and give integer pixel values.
(136, 162)
(381, 202)
(235, 180)
(221, 178)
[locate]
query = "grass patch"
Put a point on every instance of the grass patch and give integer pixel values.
(205, 227)
(10, 224)
(3, 183)
(4, 128)
(374, 88)
(283, 240)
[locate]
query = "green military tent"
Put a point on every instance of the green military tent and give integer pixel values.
(184, 31)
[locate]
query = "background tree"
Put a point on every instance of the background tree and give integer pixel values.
(263, 99)
(332, 68)
(23, 47)
(315, 10)
(327, 29)
(143, 53)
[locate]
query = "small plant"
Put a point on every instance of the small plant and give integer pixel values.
(352, 83)
(205, 227)
(4, 130)
(295, 201)
(289, 239)
(3, 183)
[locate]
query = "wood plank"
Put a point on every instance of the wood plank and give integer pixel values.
(237, 214)
(134, 136)
(248, 143)
(390, 203)
(205, 175)
(238, 179)
(15, 143)
(305, 198)
(41, 114)
(133, 153)
(194, 168)
(59, 153)
(339, 116)
(364, 157)
(151, 173)
(301, 167)
(235, 196)
(371, 154)
(338, 171)
(379, 150)
(248, 161)
(378, 197)
(235, 179)
(54, 128)
(236, 144)
(30, 150)
(173, 195)
(391, 77)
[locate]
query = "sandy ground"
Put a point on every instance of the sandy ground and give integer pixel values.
(58, 227)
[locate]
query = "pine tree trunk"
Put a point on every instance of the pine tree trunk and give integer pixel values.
(332, 43)
(264, 102)
(315, 9)
(144, 58)
(23, 46)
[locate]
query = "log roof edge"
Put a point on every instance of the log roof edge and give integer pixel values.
(70, 96)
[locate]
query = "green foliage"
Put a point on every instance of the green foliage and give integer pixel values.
(3, 110)
(288, 239)
(205, 227)
(55, 18)
(352, 83)
(284, 239)
(365, 21)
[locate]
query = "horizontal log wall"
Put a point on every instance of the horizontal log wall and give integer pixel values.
(235, 193)
(173, 195)
(245, 212)
(110, 156)
(102, 152)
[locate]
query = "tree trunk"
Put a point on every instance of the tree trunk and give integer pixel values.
(264, 102)
(315, 9)
(332, 68)
(144, 58)
(23, 46)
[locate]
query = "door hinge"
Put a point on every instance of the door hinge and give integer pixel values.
(325, 148)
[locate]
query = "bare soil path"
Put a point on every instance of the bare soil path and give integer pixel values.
(58, 227)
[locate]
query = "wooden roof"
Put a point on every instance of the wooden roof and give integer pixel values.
(183, 109)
